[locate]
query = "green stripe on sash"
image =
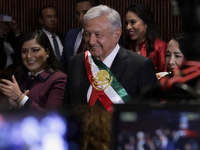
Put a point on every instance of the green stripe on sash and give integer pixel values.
(115, 84)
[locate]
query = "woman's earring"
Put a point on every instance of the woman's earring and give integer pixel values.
(47, 56)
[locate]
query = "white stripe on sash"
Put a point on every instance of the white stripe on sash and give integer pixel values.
(110, 92)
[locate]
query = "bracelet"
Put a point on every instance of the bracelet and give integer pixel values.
(19, 96)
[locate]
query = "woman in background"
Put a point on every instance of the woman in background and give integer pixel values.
(174, 55)
(142, 35)
(39, 82)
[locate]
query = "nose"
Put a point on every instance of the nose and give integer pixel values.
(52, 18)
(81, 16)
(29, 54)
(92, 39)
(128, 27)
(172, 60)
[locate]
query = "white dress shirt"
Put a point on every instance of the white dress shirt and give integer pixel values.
(49, 35)
(78, 42)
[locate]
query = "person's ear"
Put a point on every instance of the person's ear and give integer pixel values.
(146, 26)
(48, 52)
(118, 33)
(40, 19)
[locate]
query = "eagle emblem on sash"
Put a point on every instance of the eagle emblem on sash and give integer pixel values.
(102, 80)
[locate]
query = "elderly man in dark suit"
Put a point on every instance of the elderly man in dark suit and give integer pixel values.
(106, 73)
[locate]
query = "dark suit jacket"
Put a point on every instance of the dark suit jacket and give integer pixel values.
(68, 46)
(14, 42)
(132, 71)
(61, 37)
(46, 92)
(3, 56)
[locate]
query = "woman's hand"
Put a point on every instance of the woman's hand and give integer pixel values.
(10, 88)
(14, 103)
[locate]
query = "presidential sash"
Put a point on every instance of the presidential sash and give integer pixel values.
(106, 87)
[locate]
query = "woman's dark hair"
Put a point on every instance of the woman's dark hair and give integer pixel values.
(144, 13)
(92, 2)
(42, 39)
(190, 46)
(179, 37)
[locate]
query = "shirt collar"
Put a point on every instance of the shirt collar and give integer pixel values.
(110, 58)
(37, 74)
(47, 32)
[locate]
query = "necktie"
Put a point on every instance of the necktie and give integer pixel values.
(80, 49)
(55, 43)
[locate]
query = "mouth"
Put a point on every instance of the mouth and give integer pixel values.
(30, 62)
(95, 47)
(131, 33)
(52, 24)
(173, 69)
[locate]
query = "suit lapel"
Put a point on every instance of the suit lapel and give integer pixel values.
(85, 83)
(72, 40)
(119, 63)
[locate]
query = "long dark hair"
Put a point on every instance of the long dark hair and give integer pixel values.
(144, 13)
(179, 37)
(42, 39)
(92, 2)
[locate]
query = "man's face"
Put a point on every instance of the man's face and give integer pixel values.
(49, 19)
(99, 37)
(81, 9)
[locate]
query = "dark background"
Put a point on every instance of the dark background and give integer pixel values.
(26, 13)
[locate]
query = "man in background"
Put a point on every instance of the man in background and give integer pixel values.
(74, 42)
(48, 20)
(9, 44)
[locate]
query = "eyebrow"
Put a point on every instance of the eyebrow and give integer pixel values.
(31, 48)
(174, 52)
(178, 53)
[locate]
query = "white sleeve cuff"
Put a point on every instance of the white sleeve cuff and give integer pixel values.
(21, 104)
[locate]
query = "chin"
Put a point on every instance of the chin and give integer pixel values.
(133, 38)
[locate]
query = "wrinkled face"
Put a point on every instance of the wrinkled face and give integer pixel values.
(100, 39)
(174, 57)
(81, 10)
(135, 27)
(49, 19)
(34, 56)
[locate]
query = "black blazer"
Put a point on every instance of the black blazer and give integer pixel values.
(3, 56)
(14, 42)
(133, 72)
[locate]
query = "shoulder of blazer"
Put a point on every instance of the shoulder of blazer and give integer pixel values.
(44, 76)
(73, 31)
(131, 56)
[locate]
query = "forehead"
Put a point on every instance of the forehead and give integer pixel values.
(30, 43)
(83, 6)
(49, 11)
(173, 46)
(99, 24)
(131, 15)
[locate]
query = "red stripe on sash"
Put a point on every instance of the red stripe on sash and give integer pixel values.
(104, 99)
